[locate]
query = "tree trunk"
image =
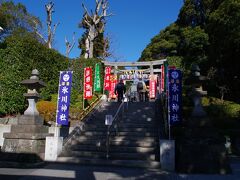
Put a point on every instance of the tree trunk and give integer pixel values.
(91, 49)
(49, 40)
(91, 36)
(87, 46)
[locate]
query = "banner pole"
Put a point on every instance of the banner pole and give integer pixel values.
(103, 80)
(83, 87)
(58, 98)
(168, 107)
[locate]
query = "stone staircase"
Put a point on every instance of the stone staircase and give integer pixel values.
(134, 144)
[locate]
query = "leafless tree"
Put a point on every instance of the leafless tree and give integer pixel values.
(51, 32)
(95, 23)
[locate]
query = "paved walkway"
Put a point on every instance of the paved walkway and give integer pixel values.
(54, 171)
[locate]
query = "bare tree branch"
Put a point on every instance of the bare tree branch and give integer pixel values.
(86, 21)
(69, 46)
(54, 29)
(85, 10)
(98, 6)
(36, 24)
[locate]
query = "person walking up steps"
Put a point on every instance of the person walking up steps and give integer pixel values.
(120, 89)
(141, 88)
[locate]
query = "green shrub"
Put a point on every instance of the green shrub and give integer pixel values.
(224, 115)
(217, 108)
(205, 101)
(47, 110)
(20, 54)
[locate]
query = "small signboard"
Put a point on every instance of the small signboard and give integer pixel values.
(108, 120)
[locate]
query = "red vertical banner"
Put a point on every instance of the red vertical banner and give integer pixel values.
(107, 82)
(87, 83)
(162, 79)
(152, 86)
(113, 82)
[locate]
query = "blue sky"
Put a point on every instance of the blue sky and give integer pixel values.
(131, 28)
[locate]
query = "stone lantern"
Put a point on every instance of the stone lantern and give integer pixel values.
(29, 135)
(201, 143)
(196, 81)
(33, 84)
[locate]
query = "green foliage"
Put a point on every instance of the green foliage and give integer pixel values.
(78, 66)
(194, 42)
(163, 45)
(205, 33)
(223, 29)
(98, 46)
(175, 61)
(221, 110)
(224, 115)
(21, 54)
(15, 16)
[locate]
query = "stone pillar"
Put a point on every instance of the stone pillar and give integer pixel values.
(151, 69)
(115, 70)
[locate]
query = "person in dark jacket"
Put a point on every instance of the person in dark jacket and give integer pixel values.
(120, 89)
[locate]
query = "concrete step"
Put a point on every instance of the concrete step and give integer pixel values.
(122, 124)
(120, 149)
(105, 162)
(94, 126)
(92, 154)
(29, 129)
(113, 155)
(137, 129)
(134, 138)
(137, 120)
(83, 138)
(119, 133)
(94, 142)
(134, 143)
(137, 125)
(117, 142)
(115, 138)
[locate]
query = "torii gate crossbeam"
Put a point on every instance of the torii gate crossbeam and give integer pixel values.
(134, 64)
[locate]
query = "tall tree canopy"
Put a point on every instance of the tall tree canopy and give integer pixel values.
(15, 16)
(207, 33)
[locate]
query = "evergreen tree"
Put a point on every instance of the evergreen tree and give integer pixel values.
(14, 16)
(206, 33)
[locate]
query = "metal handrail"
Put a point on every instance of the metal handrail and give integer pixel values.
(80, 126)
(115, 118)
